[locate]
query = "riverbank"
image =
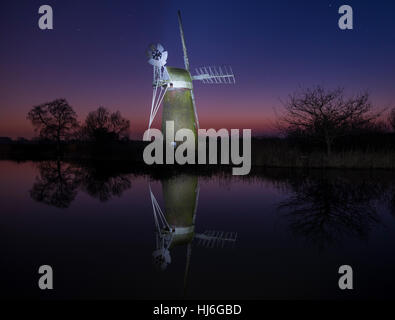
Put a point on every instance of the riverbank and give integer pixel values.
(270, 152)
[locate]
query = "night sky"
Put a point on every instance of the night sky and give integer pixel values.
(96, 56)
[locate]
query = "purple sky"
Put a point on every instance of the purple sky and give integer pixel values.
(96, 56)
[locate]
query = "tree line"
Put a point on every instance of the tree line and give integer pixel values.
(314, 116)
(57, 121)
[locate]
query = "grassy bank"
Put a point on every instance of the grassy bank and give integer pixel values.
(283, 154)
(268, 152)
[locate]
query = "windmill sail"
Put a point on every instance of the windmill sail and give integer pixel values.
(186, 62)
(215, 75)
(184, 48)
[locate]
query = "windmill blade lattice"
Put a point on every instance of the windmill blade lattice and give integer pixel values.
(215, 75)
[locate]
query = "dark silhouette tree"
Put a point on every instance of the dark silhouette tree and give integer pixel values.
(391, 118)
(55, 120)
(101, 126)
(326, 115)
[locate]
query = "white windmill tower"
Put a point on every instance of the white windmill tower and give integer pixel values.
(173, 87)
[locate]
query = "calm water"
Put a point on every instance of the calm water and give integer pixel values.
(279, 234)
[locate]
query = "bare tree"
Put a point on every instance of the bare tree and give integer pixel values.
(102, 125)
(326, 115)
(391, 118)
(54, 120)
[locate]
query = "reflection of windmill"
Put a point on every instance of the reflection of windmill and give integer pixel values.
(174, 87)
(175, 225)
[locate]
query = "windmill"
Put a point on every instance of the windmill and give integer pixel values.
(173, 86)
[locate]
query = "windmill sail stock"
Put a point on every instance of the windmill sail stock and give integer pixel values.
(178, 80)
(186, 63)
(184, 47)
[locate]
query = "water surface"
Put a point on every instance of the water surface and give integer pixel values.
(277, 234)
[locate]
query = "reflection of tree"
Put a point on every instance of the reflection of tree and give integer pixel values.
(103, 184)
(57, 184)
(389, 198)
(325, 210)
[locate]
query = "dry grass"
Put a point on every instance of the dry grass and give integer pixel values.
(279, 154)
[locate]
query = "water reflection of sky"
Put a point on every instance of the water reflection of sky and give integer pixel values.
(100, 245)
